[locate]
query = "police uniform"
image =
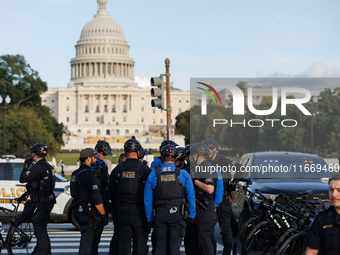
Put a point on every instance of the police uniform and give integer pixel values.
(205, 214)
(86, 194)
(155, 163)
(224, 209)
(126, 185)
(166, 191)
(102, 174)
(324, 232)
(40, 185)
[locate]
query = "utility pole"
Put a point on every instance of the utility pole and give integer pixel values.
(168, 106)
(157, 90)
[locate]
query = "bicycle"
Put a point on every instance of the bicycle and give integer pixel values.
(263, 236)
(258, 214)
(20, 232)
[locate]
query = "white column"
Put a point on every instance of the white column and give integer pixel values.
(133, 71)
(109, 106)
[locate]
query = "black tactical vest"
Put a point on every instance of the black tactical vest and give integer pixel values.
(128, 180)
(41, 191)
(77, 191)
(168, 191)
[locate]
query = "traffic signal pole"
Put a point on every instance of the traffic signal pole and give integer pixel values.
(157, 90)
(168, 106)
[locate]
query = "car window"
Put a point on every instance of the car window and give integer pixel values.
(10, 171)
(288, 166)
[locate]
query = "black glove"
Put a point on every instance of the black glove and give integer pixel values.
(28, 162)
(104, 220)
(190, 221)
(150, 224)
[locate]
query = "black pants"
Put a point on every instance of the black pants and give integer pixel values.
(115, 239)
(90, 232)
(132, 223)
(169, 229)
(89, 242)
(190, 243)
(204, 223)
(224, 216)
(40, 215)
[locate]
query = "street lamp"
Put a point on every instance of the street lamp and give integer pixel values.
(4, 109)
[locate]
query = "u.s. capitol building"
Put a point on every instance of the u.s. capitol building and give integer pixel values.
(102, 99)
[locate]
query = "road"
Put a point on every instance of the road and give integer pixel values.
(65, 239)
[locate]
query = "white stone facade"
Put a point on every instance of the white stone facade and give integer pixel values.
(102, 99)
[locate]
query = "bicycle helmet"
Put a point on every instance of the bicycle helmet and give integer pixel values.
(132, 145)
(169, 150)
(165, 142)
(39, 149)
(103, 147)
(211, 143)
(200, 149)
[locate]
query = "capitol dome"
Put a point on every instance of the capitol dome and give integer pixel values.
(102, 53)
(102, 25)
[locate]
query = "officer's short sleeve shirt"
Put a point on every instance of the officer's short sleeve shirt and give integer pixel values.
(324, 234)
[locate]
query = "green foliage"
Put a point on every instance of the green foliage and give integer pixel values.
(27, 122)
(325, 117)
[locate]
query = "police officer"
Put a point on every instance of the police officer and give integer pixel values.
(126, 190)
(158, 160)
(88, 207)
(205, 192)
(103, 149)
(324, 232)
(166, 191)
(224, 209)
(40, 185)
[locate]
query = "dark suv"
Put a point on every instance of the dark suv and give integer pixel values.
(276, 172)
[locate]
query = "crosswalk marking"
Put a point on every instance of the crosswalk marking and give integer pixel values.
(68, 242)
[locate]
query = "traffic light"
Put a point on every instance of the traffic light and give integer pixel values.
(157, 92)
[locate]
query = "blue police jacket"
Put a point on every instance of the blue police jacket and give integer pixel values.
(219, 188)
(93, 168)
(155, 163)
(183, 178)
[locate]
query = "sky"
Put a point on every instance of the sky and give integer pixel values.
(217, 38)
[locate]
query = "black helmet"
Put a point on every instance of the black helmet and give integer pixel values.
(169, 150)
(200, 149)
(211, 143)
(186, 151)
(132, 145)
(103, 147)
(142, 153)
(40, 149)
(165, 142)
(180, 151)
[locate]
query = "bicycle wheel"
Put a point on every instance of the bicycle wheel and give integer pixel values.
(20, 238)
(294, 245)
(259, 239)
(242, 234)
(282, 239)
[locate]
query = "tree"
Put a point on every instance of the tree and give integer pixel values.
(20, 81)
(24, 86)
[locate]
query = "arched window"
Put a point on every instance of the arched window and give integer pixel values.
(98, 132)
(107, 132)
(79, 131)
(117, 131)
(90, 50)
(136, 131)
(94, 50)
(98, 50)
(126, 131)
(89, 131)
